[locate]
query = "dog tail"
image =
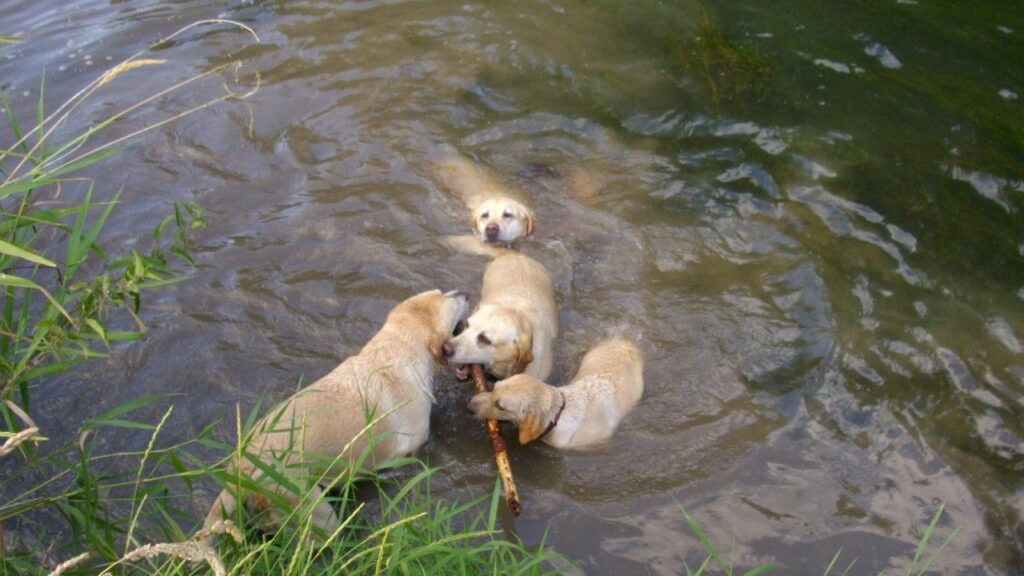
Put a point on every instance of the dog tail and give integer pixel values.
(473, 245)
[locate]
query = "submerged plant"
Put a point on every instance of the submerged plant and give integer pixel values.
(732, 72)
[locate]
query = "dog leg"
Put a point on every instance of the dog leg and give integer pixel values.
(322, 514)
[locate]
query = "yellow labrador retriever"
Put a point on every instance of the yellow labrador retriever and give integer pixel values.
(319, 430)
(587, 411)
(498, 218)
(502, 220)
(514, 327)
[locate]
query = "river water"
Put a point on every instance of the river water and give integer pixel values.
(810, 213)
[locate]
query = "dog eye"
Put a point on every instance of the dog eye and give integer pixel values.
(506, 215)
(485, 215)
(483, 340)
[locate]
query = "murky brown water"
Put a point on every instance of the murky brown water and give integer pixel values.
(826, 266)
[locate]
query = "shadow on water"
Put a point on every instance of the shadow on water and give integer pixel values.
(810, 215)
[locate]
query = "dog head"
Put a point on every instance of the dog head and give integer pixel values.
(523, 400)
(502, 220)
(434, 313)
(500, 338)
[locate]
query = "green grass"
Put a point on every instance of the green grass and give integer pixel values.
(395, 526)
(117, 505)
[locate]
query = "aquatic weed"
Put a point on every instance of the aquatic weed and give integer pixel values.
(732, 72)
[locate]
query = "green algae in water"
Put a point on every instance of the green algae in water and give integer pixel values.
(731, 71)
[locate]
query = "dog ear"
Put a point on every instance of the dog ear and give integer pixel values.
(529, 223)
(438, 336)
(523, 356)
(435, 350)
(530, 429)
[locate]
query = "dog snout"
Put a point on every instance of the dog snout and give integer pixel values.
(477, 404)
(448, 349)
(491, 231)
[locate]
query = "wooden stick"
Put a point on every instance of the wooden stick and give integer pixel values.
(498, 446)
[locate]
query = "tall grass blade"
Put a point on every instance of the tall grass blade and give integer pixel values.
(19, 282)
(138, 475)
(492, 510)
(12, 121)
(932, 558)
(928, 533)
(832, 564)
(77, 250)
(700, 570)
(762, 569)
(60, 366)
(12, 250)
(53, 218)
(89, 240)
(84, 161)
(409, 485)
(271, 471)
(704, 540)
(111, 415)
(19, 186)
(40, 114)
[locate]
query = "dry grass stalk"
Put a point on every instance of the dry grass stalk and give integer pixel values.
(26, 435)
(196, 550)
(69, 564)
(45, 129)
(126, 66)
(189, 550)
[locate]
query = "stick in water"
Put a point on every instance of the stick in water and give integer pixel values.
(498, 445)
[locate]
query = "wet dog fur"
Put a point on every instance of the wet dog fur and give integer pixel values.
(319, 431)
(586, 412)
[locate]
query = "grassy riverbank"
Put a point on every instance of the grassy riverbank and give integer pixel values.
(129, 509)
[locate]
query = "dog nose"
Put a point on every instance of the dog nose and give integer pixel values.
(448, 350)
(492, 231)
